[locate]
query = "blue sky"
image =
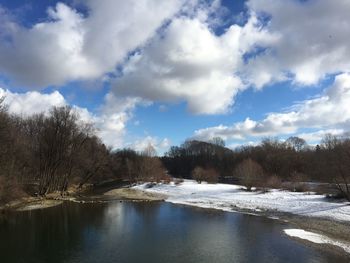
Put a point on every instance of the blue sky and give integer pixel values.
(241, 70)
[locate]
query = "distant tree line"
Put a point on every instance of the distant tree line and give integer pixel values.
(181, 160)
(47, 153)
(56, 151)
(267, 164)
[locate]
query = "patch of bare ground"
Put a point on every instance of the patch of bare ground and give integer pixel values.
(30, 203)
(132, 194)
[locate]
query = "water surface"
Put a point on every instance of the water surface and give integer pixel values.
(148, 232)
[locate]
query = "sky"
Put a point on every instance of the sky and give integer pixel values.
(160, 72)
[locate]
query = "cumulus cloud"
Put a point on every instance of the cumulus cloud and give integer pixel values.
(328, 110)
(312, 40)
(189, 62)
(29, 103)
(110, 120)
(177, 55)
(317, 136)
(69, 46)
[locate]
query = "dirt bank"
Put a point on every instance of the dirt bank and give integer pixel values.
(132, 194)
(30, 203)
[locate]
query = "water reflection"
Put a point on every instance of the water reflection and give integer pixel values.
(147, 232)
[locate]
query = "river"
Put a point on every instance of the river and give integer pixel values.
(148, 232)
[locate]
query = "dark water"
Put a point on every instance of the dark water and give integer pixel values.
(147, 232)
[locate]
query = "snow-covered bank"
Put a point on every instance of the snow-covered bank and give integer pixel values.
(317, 238)
(233, 197)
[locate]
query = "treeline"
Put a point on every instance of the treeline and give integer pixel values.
(51, 152)
(269, 163)
(181, 160)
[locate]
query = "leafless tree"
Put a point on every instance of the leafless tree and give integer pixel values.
(218, 141)
(338, 151)
(250, 173)
(296, 143)
(209, 175)
(149, 151)
(93, 161)
(151, 169)
(59, 138)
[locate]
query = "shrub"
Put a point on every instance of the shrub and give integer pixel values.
(297, 182)
(151, 169)
(250, 174)
(209, 175)
(165, 179)
(197, 174)
(274, 182)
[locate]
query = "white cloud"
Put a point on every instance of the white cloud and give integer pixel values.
(189, 62)
(110, 120)
(317, 136)
(237, 145)
(312, 40)
(160, 145)
(30, 103)
(69, 46)
(185, 60)
(329, 110)
(180, 57)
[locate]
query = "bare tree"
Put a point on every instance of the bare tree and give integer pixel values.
(12, 155)
(218, 141)
(209, 175)
(59, 138)
(198, 174)
(250, 173)
(93, 161)
(151, 169)
(296, 143)
(149, 151)
(341, 162)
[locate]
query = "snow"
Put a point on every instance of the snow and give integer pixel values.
(317, 238)
(233, 197)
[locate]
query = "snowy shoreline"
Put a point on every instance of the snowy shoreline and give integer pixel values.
(317, 238)
(233, 198)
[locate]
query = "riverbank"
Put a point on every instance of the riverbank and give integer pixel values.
(134, 195)
(327, 221)
(234, 197)
(307, 211)
(54, 199)
(30, 203)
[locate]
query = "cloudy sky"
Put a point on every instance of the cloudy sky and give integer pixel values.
(159, 72)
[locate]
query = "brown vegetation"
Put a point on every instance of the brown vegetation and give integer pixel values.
(250, 174)
(53, 151)
(297, 182)
(288, 164)
(209, 175)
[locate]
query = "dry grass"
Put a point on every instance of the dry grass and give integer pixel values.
(133, 194)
